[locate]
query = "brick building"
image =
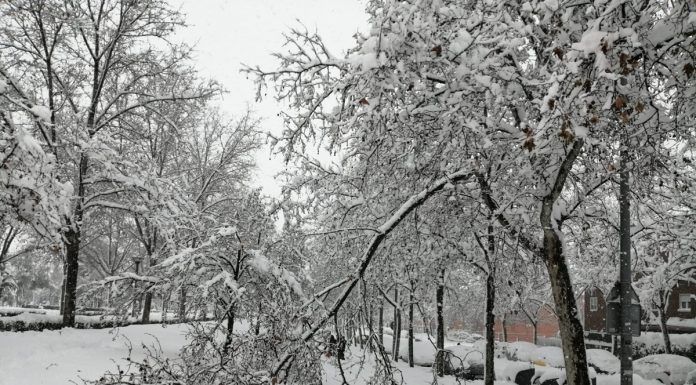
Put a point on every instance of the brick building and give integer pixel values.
(681, 305)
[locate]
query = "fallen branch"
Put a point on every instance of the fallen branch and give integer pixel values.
(382, 232)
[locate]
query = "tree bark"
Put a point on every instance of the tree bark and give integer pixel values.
(572, 338)
(440, 344)
(663, 328)
(625, 271)
(536, 333)
(410, 329)
(147, 302)
(380, 323)
(397, 326)
(504, 325)
(72, 248)
(182, 304)
(230, 330)
(489, 374)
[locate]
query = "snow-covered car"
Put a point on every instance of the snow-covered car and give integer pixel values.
(423, 351)
(548, 356)
(463, 336)
(670, 369)
(464, 361)
(520, 351)
(603, 361)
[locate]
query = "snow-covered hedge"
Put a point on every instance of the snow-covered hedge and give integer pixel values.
(652, 343)
(37, 320)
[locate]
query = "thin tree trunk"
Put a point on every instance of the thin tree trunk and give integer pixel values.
(663, 327)
(380, 323)
(182, 304)
(410, 328)
(62, 288)
(72, 247)
(230, 330)
(504, 325)
(535, 328)
(147, 306)
(489, 375)
(440, 344)
(397, 326)
(72, 238)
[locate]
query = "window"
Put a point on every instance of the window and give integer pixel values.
(593, 304)
(684, 302)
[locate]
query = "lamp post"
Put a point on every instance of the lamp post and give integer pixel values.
(626, 290)
(136, 298)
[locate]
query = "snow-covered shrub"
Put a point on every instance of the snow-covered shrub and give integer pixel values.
(652, 343)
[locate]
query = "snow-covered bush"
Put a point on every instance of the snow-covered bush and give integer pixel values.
(652, 343)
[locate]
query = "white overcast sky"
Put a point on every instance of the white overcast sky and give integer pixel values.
(227, 33)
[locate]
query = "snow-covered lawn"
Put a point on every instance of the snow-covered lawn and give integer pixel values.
(66, 356)
(58, 357)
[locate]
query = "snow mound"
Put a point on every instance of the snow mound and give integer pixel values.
(549, 355)
(615, 379)
(463, 356)
(603, 361)
(423, 352)
(520, 351)
(667, 368)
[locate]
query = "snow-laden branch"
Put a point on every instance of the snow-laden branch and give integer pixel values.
(382, 232)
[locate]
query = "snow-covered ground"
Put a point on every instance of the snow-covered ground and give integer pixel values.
(66, 356)
(58, 357)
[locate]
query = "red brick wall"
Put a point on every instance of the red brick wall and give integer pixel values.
(520, 329)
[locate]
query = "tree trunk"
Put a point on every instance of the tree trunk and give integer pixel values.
(625, 270)
(62, 288)
(182, 304)
(410, 329)
(230, 330)
(663, 327)
(440, 344)
(397, 326)
(489, 375)
(535, 336)
(571, 331)
(504, 325)
(147, 302)
(72, 248)
(380, 324)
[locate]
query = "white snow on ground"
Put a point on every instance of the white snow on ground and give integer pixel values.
(58, 357)
(65, 356)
